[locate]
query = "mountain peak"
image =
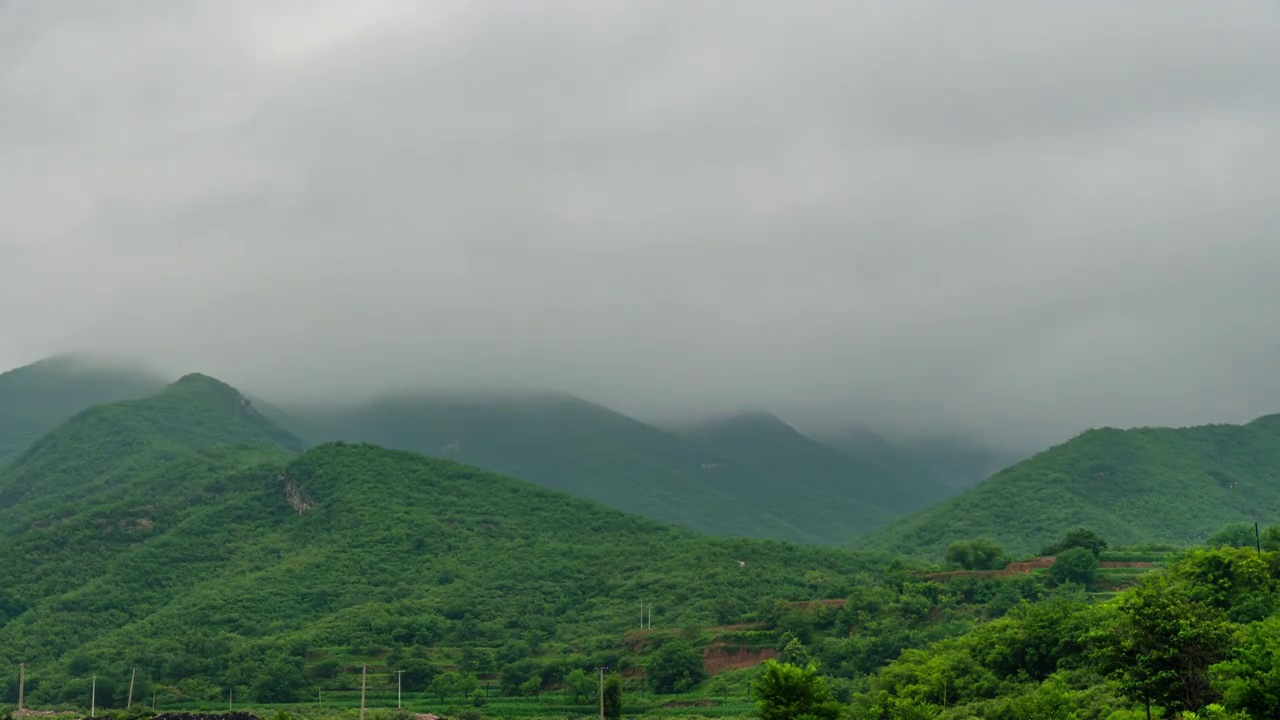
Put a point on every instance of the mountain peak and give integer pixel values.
(207, 383)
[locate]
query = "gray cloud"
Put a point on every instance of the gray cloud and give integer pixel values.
(1023, 218)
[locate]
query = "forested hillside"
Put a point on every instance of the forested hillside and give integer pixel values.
(803, 478)
(1147, 485)
(184, 535)
(748, 476)
(180, 534)
(569, 444)
(35, 399)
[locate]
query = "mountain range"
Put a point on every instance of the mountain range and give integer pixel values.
(749, 475)
(187, 535)
(746, 475)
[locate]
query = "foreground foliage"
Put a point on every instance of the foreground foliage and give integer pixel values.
(1199, 638)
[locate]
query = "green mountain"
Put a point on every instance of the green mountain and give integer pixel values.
(1147, 485)
(36, 398)
(105, 450)
(182, 535)
(923, 470)
(565, 443)
(801, 479)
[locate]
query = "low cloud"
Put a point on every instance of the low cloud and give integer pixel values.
(1019, 219)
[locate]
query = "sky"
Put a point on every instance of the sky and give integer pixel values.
(1019, 219)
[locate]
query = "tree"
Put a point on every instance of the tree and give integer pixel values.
(479, 697)
(467, 684)
(579, 686)
(613, 696)
(1250, 680)
(1271, 538)
(719, 686)
(281, 681)
(675, 667)
(449, 684)
(1078, 538)
(1077, 565)
(1159, 644)
(1241, 535)
(532, 686)
(418, 672)
(794, 653)
(976, 554)
(790, 692)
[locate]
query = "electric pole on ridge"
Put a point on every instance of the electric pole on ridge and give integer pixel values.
(93, 697)
(132, 677)
(399, 684)
(22, 681)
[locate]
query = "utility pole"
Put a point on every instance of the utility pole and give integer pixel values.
(650, 616)
(132, 677)
(153, 700)
(364, 675)
(230, 697)
(399, 684)
(22, 682)
(601, 691)
(93, 698)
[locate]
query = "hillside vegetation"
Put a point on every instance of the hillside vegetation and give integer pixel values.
(800, 477)
(569, 444)
(181, 534)
(37, 398)
(1148, 485)
(186, 535)
(747, 476)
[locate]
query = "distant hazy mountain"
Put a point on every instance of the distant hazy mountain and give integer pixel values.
(749, 475)
(1146, 485)
(566, 443)
(803, 480)
(36, 398)
(923, 469)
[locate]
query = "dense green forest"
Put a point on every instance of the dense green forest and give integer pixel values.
(1147, 485)
(1199, 640)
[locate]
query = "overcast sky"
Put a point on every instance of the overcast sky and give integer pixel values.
(1021, 218)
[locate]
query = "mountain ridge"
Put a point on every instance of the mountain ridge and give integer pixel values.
(1133, 486)
(190, 560)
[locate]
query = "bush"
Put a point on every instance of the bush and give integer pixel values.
(1078, 538)
(976, 554)
(674, 668)
(786, 692)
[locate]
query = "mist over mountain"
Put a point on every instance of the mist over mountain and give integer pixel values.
(1012, 224)
(748, 475)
